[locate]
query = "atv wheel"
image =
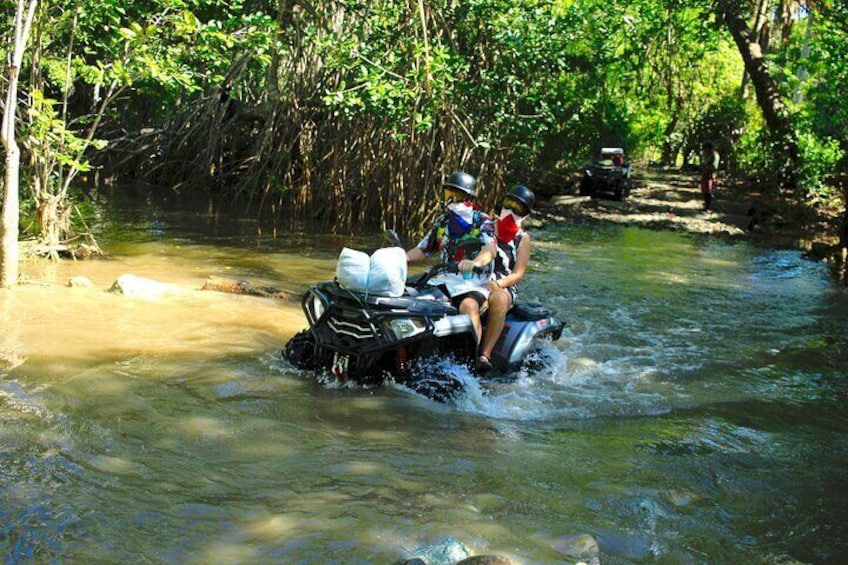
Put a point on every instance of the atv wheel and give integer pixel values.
(433, 382)
(441, 388)
(586, 188)
(300, 350)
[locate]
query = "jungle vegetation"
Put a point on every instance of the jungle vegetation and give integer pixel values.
(349, 112)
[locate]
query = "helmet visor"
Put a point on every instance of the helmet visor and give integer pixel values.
(517, 206)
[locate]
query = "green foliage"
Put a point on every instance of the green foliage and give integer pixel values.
(159, 50)
(812, 68)
(387, 69)
(820, 170)
(531, 86)
(721, 123)
(91, 52)
(754, 153)
(825, 112)
(540, 81)
(48, 137)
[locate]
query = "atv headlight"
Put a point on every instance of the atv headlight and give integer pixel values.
(315, 308)
(404, 328)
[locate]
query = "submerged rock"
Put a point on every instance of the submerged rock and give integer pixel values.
(79, 282)
(448, 551)
(580, 546)
(629, 546)
(783, 560)
(487, 560)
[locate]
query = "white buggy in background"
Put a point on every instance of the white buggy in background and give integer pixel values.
(609, 175)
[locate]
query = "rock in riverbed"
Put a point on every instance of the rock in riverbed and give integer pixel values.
(138, 287)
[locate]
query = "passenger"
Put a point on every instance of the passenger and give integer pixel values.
(460, 223)
(513, 256)
(618, 160)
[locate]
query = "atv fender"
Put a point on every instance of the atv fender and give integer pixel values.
(452, 325)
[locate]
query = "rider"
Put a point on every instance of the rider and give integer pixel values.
(460, 223)
(513, 255)
(709, 165)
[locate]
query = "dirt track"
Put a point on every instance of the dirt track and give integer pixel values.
(661, 200)
(671, 200)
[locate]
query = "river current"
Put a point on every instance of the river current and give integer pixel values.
(693, 412)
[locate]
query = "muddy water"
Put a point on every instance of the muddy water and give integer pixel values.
(694, 412)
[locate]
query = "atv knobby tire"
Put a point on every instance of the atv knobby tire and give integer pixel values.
(300, 350)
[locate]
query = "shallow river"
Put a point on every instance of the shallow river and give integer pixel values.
(694, 412)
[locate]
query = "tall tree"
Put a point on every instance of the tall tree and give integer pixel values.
(775, 112)
(11, 208)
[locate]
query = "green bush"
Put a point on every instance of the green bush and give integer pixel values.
(755, 158)
(820, 159)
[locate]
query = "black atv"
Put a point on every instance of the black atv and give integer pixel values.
(367, 338)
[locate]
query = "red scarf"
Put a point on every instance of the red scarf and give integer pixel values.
(507, 226)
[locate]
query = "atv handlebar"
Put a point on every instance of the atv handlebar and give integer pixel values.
(451, 267)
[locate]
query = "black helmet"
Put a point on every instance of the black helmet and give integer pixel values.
(464, 182)
(524, 195)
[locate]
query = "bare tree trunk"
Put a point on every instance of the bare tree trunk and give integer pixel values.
(11, 205)
(9, 228)
(775, 113)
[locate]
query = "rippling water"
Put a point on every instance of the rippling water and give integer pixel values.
(693, 412)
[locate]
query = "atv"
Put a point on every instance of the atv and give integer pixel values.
(368, 339)
(609, 175)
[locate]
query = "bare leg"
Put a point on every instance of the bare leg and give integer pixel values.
(469, 306)
(499, 303)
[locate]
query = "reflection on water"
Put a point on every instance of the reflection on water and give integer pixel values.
(693, 412)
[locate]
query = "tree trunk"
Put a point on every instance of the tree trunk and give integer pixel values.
(11, 205)
(9, 228)
(671, 147)
(774, 111)
(761, 32)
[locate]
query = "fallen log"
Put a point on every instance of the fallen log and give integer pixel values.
(233, 286)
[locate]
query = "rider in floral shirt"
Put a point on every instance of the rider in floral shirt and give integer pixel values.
(460, 223)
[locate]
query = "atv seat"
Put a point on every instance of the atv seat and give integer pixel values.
(410, 291)
(530, 311)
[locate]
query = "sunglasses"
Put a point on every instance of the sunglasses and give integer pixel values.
(516, 206)
(455, 195)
